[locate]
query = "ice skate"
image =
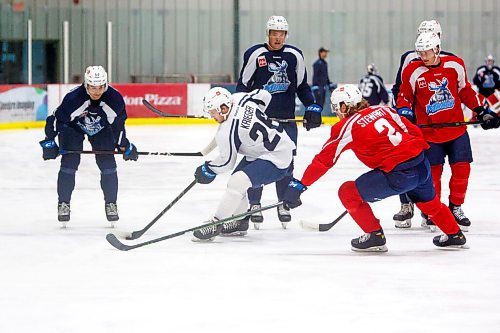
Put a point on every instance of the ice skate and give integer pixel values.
(63, 213)
(284, 216)
(207, 234)
(458, 214)
(427, 223)
(370, 242)
(235, 228)
(456, 241)
(256, 218)
(402, 219)
(111, 210)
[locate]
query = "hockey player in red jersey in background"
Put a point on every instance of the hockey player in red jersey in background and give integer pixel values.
(394, 149)
(432, 91)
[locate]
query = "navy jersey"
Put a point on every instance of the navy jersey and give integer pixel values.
(487, 80)
(373, 89)
(406, 58)
(282, 73)
(320, 74)
(78, 111)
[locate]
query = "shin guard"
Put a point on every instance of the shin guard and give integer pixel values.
(458, 183)
(359, 209)
(437, 171)
(440, 215)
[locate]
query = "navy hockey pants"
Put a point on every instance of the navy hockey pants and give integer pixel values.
(71, 139)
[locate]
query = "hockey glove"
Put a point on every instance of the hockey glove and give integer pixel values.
(50, 149)
(292, 194)
(130, 154)
(204, 175)
(332, 86)
(488, 118)
(407, 113)
(312, 116)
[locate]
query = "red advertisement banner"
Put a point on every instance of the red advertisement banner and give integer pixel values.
(168, 97)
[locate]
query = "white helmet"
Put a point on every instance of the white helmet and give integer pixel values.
(430, 26)
(276, 23)
(215, 98)
(96, 76)
(348, 94)
(428, 41)
(371, 69)
(489, 61)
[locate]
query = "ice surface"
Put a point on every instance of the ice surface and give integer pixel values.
(273, 280)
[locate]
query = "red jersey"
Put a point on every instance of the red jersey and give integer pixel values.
(436, 95)
(378, 137)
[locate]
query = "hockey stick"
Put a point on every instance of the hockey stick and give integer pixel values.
(167, 115)
(113, 240)
(139, 233)
(458, 123)
(321, 227)
(113, 152)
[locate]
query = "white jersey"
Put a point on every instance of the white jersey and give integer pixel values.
(248, 131)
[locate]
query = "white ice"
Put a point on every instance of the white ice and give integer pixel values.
(71, 280)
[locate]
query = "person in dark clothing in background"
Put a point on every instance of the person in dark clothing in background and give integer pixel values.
(320, 80)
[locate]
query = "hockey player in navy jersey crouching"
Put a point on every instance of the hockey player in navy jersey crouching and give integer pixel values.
(245, 129)
(95, 110)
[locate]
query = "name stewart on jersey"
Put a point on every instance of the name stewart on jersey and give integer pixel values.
(247, 117)
(371, 117)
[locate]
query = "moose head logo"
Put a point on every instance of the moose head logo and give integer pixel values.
(278, 82)
(442, 98)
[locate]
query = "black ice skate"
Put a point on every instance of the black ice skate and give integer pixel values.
(372, 242)
(284, 215)
(256, 218)
(63, 213)
(111, 212)
(456, 241)
(402, 218)
(458, 214)
(235, 228)
(427, 223)
(207, 234)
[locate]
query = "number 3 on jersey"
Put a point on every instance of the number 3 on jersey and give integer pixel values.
(395, 137)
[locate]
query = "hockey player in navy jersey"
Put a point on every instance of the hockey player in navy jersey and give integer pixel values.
(266, 148)
(96, 110)
(280, 69)
(487, 81)
(372, 87)
(403, 218)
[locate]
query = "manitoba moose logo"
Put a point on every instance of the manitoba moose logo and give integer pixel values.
(279, 81)
(442, 98)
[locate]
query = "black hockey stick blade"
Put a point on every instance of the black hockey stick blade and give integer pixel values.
(123, 247)
(139, 233)
(328, 226)
(114, 152)
(167, 115)
(455, 124)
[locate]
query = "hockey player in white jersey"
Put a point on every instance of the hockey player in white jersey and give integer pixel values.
(245, 129)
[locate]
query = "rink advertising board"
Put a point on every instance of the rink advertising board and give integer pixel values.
(21, 103)
(168, 97)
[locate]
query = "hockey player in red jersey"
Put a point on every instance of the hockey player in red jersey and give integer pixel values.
(394, 149)
(432, 91)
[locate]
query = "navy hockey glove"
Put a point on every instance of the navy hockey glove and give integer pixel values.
(488, 118)
(50, 149)
(312, 116)
(130, 154)
(292, 194)
(332, 86)
(407, 113)
(204, 175)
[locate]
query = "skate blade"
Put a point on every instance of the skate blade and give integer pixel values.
(198, 240)
(464, 228)
(256, 225)
(382, 248)
(64, 225)
(455, 247)
(234, 234)
(284, 225)
(112, 225)
(403, 224)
